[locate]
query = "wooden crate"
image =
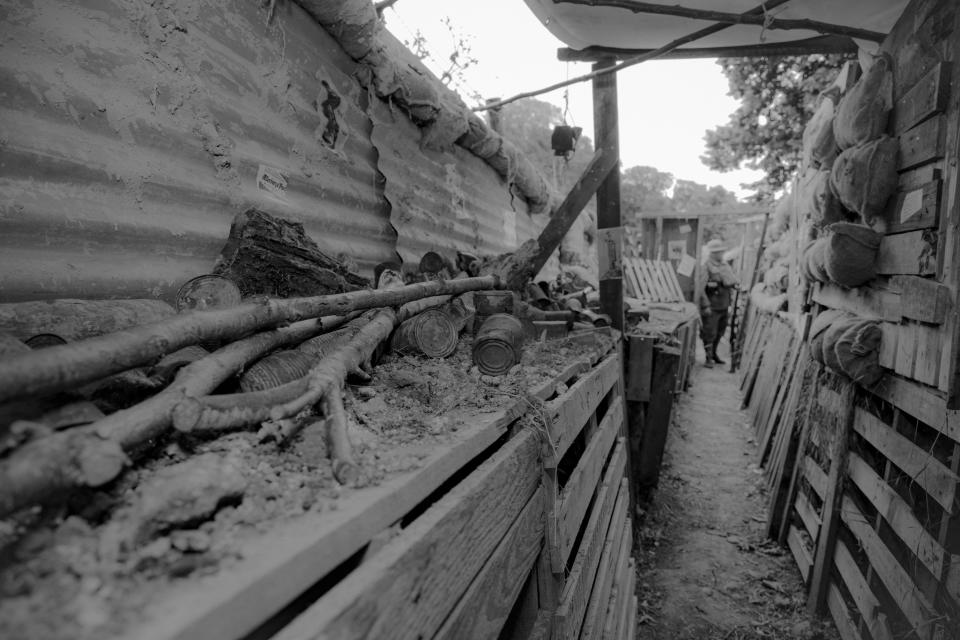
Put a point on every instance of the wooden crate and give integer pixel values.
(457, 548)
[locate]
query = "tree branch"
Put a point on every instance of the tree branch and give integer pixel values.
(724, 17)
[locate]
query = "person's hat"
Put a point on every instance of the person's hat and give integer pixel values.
(715, 245)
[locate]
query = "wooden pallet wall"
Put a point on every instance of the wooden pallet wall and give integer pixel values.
(915, 294)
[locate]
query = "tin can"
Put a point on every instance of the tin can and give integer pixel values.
(276, 369)
(432, 333)
(487, 303)
(498, 344)
(207, 292)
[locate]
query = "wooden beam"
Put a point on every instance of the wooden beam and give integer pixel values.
(765, 21)
(609, 230)
(604, 160)
(830, 514)
(820, 44)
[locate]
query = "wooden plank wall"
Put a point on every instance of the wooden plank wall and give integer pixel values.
(916, 292)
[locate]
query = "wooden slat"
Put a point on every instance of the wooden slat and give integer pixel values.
(547, 389)
(646, 467)
(290, 558)
(862, 301)
(867, 604)
(914, 605)
(620, 541)
(801, 554)
(815, 476)
(568, 414)
(672, 280)
(922, 403)
(830, 513)
(906, 349)
(926, 366)
(639, 368)
(487, 603)
(897, 513)
(910, 253)
(645, 292)
(416, 579)
(576, 593)
(626, 599)
(913, 209)
(923, 143)
(841, 616)
(923, 299)
(808, 515)
(927, 97)
(928, 472)
(888, 345)
(582, 482)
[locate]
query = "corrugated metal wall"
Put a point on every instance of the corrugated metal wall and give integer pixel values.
(445, 201)
(132, 132)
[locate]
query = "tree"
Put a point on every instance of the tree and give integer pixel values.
(643, 189)
(777, 97)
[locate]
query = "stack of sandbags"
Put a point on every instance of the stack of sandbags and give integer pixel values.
(864, 175)
(762, 300)
(846, 255)
(848, 344)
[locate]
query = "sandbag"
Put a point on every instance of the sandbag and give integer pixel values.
(858, 352)
(865, 177)
(818, 203)
(819, 144)
(813, 261)
(817, 328)
(850, 256)
(862, 113)
(831, 336)
(781, 214)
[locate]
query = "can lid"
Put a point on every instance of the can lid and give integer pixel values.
(494, 356)
(436, 334)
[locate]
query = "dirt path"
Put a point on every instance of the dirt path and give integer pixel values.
(707, 572)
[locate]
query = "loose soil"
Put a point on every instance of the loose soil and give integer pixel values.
(87, 568)
(707, 571)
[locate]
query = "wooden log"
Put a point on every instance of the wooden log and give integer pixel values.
(338, 444)
(78, 319)
(62, 367)
(94, 454)
(271, 256)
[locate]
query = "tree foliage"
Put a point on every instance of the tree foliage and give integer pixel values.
(777, 97)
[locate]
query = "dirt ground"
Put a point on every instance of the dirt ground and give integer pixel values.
(707, 572)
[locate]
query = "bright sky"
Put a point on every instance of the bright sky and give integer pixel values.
(665, 106)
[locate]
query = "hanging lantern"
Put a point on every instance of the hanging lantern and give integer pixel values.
(564, 139)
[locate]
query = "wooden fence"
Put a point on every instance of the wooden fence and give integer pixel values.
(863, 488)
(503, 532)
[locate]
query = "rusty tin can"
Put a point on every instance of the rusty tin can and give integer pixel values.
(488, 303)
(498, 344)
(207, 292)
(276, 369)
(432, 333)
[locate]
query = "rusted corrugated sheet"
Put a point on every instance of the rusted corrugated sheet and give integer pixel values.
(445, 201)
(132, 132)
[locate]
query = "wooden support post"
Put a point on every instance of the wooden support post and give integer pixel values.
(827, 540)
(666, 362)
(608, 195)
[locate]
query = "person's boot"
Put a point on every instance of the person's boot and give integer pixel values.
(716, 358)
(708, 363)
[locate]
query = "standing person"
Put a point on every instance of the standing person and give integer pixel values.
(715, 299)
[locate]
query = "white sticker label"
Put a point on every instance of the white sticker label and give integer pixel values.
(686, 266)
(610, 253)
(912, 204)
(272, 182)
(685, 229)
(676, 249)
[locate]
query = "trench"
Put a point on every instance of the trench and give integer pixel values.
(706, 570)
